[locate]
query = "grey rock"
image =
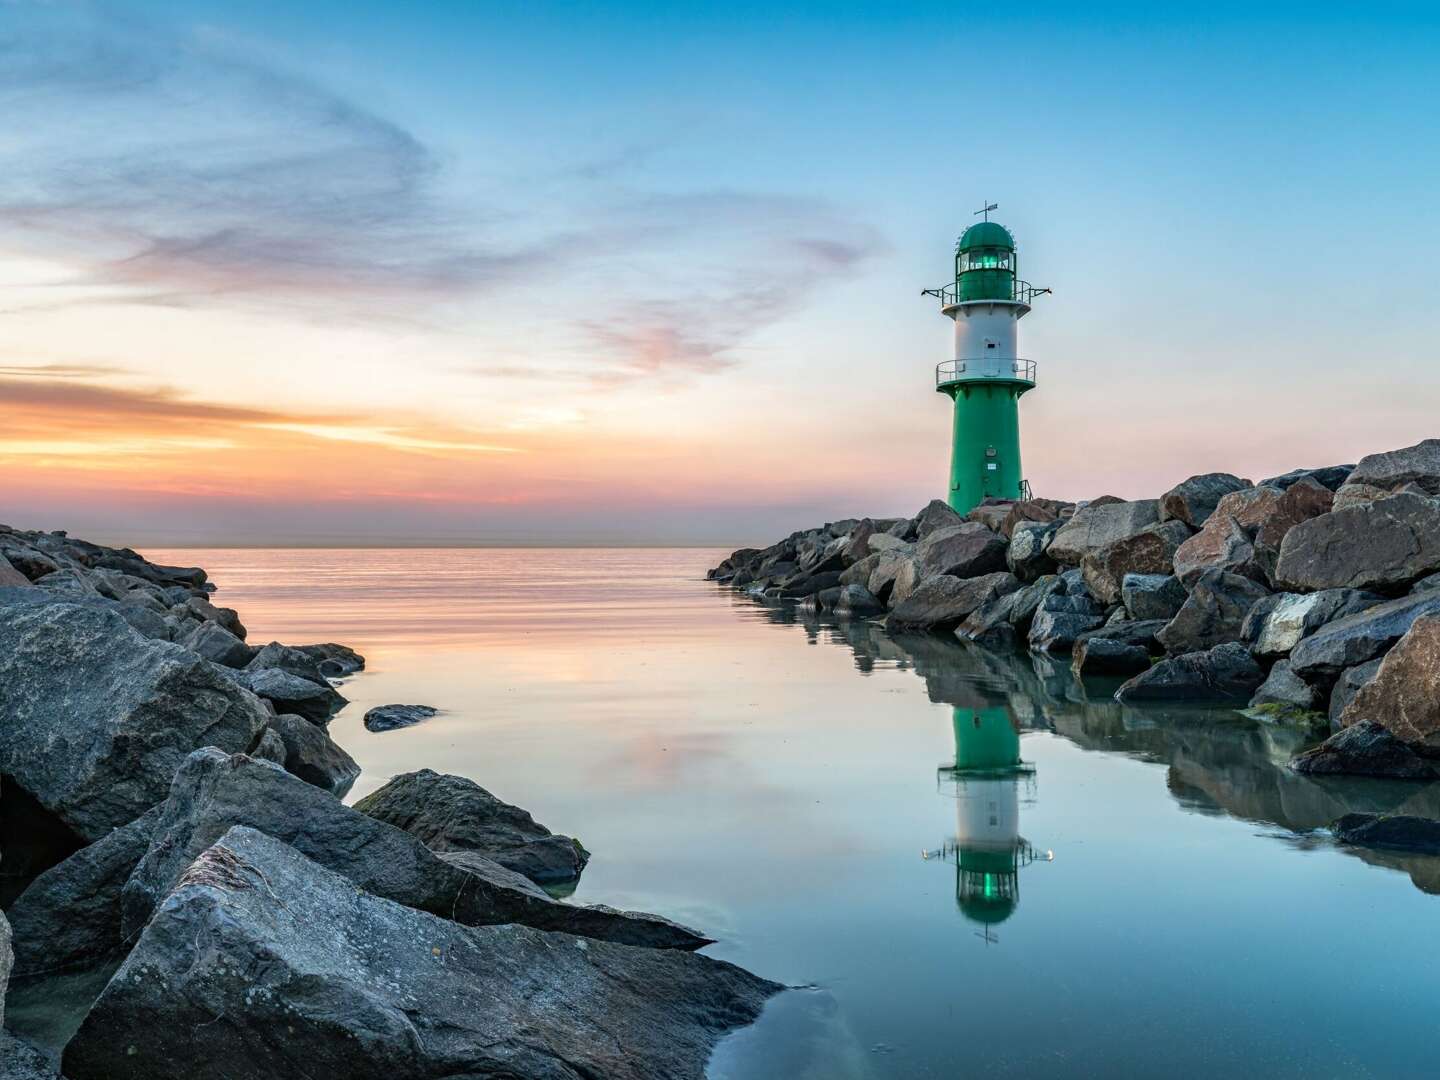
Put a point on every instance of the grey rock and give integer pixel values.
(269, 747)
(1152, 596)
(1347, 686)
(1194, 500)
(1059, 622)
(159, 574)
(937, 515)
(1329, 477)
(943, 602)
(7, 960)
(804, 584)
(1097, 524)
(881, 543)
(202, 609)
(1106, 656)
(1365, 749)
(1382, 546)
(1418, 464)
(1404, 695)
(309, 753)
(858, 573)
(1425, 584)
(1223, 545)
(1276, 624)
(1225, 673)
(1139, 633)
(1212, 614)
(95, 719)
(966, 550)
(1282, 687)
(1006, 619)
(1028, 554)
(888, 566)
(292, 661)
(452, 813)
(1394, 832)
(1357, 638)
(70, 916)
(218, 645)
(391, 717)
(343, 659)
(21, 1061)
(292, 694)
(856, 601)
(10, 577)
(366, 989)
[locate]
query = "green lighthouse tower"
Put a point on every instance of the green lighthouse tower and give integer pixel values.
(987, 300)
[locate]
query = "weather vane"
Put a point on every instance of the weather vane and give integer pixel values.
(986, 210)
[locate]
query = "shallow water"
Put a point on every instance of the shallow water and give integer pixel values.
(1174, 907)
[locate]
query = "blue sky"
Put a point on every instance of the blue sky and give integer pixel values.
(686, 244)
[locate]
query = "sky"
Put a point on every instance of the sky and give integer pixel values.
(449, 273)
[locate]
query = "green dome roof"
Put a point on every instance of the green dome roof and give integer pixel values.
(986, 234)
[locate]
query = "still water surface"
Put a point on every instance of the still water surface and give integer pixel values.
(1157, 896)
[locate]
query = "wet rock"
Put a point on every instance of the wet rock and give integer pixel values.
(1365, 749)
(1404, 695)
(965, 550)
(368, 990)
(1276, 624)
(943, 602)
(390, 717)
(97, 718)
(1329, 477)
(1347, 686)
(298, 662)
(1396, 832)
(1225, 673)
(1382, 546)
(342, 659)
(1152, 596)
(309, 753)
(1418, 464)
(1139, 633)
(808, 584)
(1028, 554)
(1195, 499)
(1149, 551)
(70, 917)
(1060, 620)
(856, 601)
(218, 645)
(1098, 524)
(292, 694)
(937, 515)
(1357, 638)
(1283, 688)
(1006, 619)
(452, 813)
(1106, 656)
(1212, 614)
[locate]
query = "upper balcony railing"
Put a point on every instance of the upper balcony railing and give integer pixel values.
(951, 371)
(1022, 293)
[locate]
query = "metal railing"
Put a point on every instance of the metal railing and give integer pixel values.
(950, 371)
(1022, 293)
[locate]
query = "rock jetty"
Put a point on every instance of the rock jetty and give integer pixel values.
(1310, 598)
(181, 879)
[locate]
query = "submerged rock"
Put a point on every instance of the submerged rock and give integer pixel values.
(356, 986)
(1282, 687)
(391, 717)
(452, 813)
(289, 693)
(1398, 832)
(1365, 749)
(1225, 673)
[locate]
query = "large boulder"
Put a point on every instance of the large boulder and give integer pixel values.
(287, 658)
(943, 602)
(1394, 832)
(1152, 596)
(1286, 693)
(1222, 545)
(1365, 749)
(1382, 546)
(1004, 620)
(213, 792)
(264, 964)
(1036, 510)
(1245, 533)
(1329, 477)
(1098, 524)
(289, 693)
(857, 602)
(218, 645)
(452, 813)
(95, 718)
(888, 567)
(1149, 551)
(310, 753)
(1195, 499)
(965, 550)
(1357, 638)
(1404, 695)
(1028, 555)
(937, 515)
(1418, 464)
(858, 572)
(202, 609)
(1277, 623)
(1213, 613)
(1225, 673)
(334, 660)
(1061, 619)
(1108, 656)
(10, 577)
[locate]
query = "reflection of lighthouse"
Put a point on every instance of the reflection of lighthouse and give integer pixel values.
(988, 850)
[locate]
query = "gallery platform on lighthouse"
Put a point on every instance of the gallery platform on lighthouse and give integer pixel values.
(987, 377)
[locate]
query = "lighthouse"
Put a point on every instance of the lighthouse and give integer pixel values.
(987, 377)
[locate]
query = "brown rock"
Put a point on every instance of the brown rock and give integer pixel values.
(1101, 523)
(1303, 500)
(1223, 544)
(1033, 510)
(1150, 551)
(1194, 500)
(1404, 695)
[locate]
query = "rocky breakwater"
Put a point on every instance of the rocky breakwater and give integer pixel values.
(1311, 598)
(182, 880)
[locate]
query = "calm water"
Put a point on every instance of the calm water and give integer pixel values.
(779, 783)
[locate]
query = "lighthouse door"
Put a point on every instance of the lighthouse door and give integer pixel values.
(990, 472)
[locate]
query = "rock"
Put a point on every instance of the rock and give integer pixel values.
(1225, 673)
(1028, 554)
(1282, 687)
(1105, 656)
(1329, 477)
(1404, 695)
(366, 989)
(1352, 495)
(1397, 832)
(218, 645)
(223, 616)
(880, 543)
(213, 793)
(1357, 638)
(29, 562)
(1152, 596)
(857, 547)
(1347, 686)
(292, 694)
(1139, 633)
(966, 550)
(343, 659)
(292, 661)
(452, 813)
(807, 585)
(1365, 749)
(1212, 614)
(1276, 624)
(1222, 545)
(1382, 546)
(856, 601)
(1060, 620)
(1003, 620)
(888, 565)
(943, 602)
(907, 579)
(1036, 510)
(70, 915)
(858, 573)
(1096, 525)
(1149, 551)
(7, 959)
(21, 1061)
(1418, 464)
(390, 717)
(1193, 500)
(95, 719)
(992, 513)
(937, 515)
(308, 752)
(1425, 584)
(269, 747)
(132, 564)
(10, 577)
(1303, 500)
